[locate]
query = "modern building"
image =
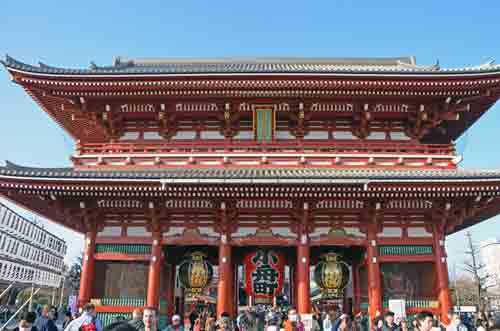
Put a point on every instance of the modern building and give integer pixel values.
(350, 159)
(490, 255)
(29, 254)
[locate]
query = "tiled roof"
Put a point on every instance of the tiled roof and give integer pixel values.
(13, 170)
(401, 65)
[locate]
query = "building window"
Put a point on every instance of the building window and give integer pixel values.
(264, 124)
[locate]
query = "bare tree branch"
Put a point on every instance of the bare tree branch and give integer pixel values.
(474, 266)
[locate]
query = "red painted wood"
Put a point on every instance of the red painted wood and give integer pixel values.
(87, 275)
(404, 241)
(344, 241)
(225, 285)
(123, 240)
(407, 258)
(315, 145)
(374, 286)
(153, 297)
(121, 257)
(256, 241)
(189, 241)
(444, 295)
(303, 279)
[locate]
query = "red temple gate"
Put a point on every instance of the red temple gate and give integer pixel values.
(297, 154)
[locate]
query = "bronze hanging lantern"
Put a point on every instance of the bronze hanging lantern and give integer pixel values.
(332, 275)
(195, 272)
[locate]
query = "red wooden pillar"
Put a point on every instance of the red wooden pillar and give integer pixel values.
(87, 276)
(155, 271)
(303, 292)
(442, 274)
(225, 285)
(303, 270)
(374, 284)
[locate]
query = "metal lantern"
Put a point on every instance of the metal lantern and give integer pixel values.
(332, 275)
(195, 272)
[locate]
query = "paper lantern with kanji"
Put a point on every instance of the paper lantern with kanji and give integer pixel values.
(264, 275)
(331, 274)
(195, 272)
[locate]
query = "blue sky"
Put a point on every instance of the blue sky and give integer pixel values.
(73, 33)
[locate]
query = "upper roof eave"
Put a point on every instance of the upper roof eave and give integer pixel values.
(392, 67)
(233, 175)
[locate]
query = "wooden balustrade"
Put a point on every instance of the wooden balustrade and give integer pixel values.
(239, 146)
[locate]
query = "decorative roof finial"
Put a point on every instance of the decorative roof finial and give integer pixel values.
(117, 61)
(490, 62)
(436, 66)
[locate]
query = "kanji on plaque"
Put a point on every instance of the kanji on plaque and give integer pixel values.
(264, 274)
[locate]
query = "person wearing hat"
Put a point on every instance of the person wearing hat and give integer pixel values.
(176, 324)
(389, 324)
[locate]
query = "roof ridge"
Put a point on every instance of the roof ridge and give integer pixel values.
(245, 66)
(268, 60)
(12, 169)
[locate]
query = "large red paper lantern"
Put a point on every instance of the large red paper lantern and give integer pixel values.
(264, 275)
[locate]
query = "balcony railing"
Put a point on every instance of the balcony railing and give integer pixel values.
(251, 146)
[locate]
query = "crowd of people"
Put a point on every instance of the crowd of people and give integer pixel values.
(250, 319)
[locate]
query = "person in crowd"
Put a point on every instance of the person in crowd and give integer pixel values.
(389, 324)
(197, 324)
(493, 325)
(341, 323)
(246, 320)
(436, 326)
(137, 320)
(87, 321)
(363, 321)
(482, 325)
(29, 319)
(176, 324)
(377, 323)
(456, 323)
(203, 318)
(293, 322)
(24, 325)
(318, 317)
(225, 323)
(44, 322)
(210, 322)
(403, 325)
(67, 319)
(414, 325)
(150, 319)
(425, 320)
(193, 315)
(328, 323)
(53, 314)
(273, 323)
